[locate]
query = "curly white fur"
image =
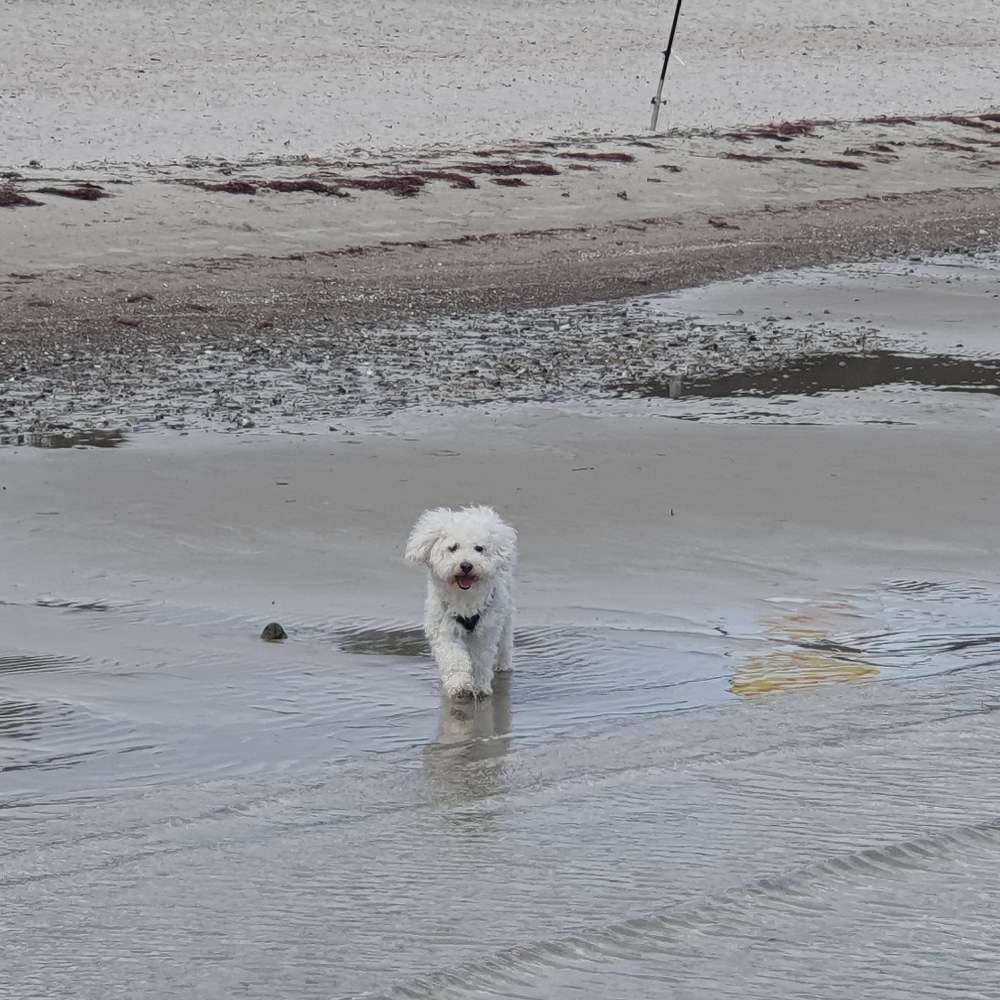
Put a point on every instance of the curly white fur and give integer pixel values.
(470, 555)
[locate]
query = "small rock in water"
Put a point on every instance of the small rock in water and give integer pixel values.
(273, 632)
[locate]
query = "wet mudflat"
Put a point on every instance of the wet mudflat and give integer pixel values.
(888, 325)
(747, 751)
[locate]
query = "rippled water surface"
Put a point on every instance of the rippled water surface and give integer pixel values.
(791, 802)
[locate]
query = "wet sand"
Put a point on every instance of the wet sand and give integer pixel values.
(321, 516)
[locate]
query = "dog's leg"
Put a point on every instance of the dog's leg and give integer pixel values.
(454, 666)
(482, 672)
(505, 651)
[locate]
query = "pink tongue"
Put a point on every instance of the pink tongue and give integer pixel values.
(465, 582)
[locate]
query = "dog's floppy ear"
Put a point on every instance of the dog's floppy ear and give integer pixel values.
(505, 539)
(427, 530)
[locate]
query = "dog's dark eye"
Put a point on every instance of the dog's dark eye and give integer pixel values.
(479, 548)
(453, 547)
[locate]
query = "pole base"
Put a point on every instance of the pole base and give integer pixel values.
(657, 104)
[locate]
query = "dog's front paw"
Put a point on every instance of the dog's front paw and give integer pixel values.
(461, 687)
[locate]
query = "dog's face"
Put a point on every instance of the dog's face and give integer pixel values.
(464, 549)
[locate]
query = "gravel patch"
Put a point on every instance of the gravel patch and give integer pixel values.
(272, 379)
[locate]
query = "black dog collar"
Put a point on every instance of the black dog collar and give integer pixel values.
(470, 623)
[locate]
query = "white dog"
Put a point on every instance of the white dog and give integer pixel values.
(470, 555)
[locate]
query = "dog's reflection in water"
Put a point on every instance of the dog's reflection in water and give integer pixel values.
(473, 737)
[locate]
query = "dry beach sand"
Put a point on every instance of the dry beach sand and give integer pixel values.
(124, 81)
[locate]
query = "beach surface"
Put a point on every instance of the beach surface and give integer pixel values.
(276, 278)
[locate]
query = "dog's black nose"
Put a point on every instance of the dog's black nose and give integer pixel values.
(465, 567)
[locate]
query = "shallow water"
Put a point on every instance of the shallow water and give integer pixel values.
(76, 438)
(836, 373)
(737, 810)
(926, 351)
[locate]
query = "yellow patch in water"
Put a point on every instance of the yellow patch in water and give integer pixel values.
(791, 670)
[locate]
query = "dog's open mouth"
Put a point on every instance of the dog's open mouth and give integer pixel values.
(465, 580)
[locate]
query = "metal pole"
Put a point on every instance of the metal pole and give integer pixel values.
(657, 101)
